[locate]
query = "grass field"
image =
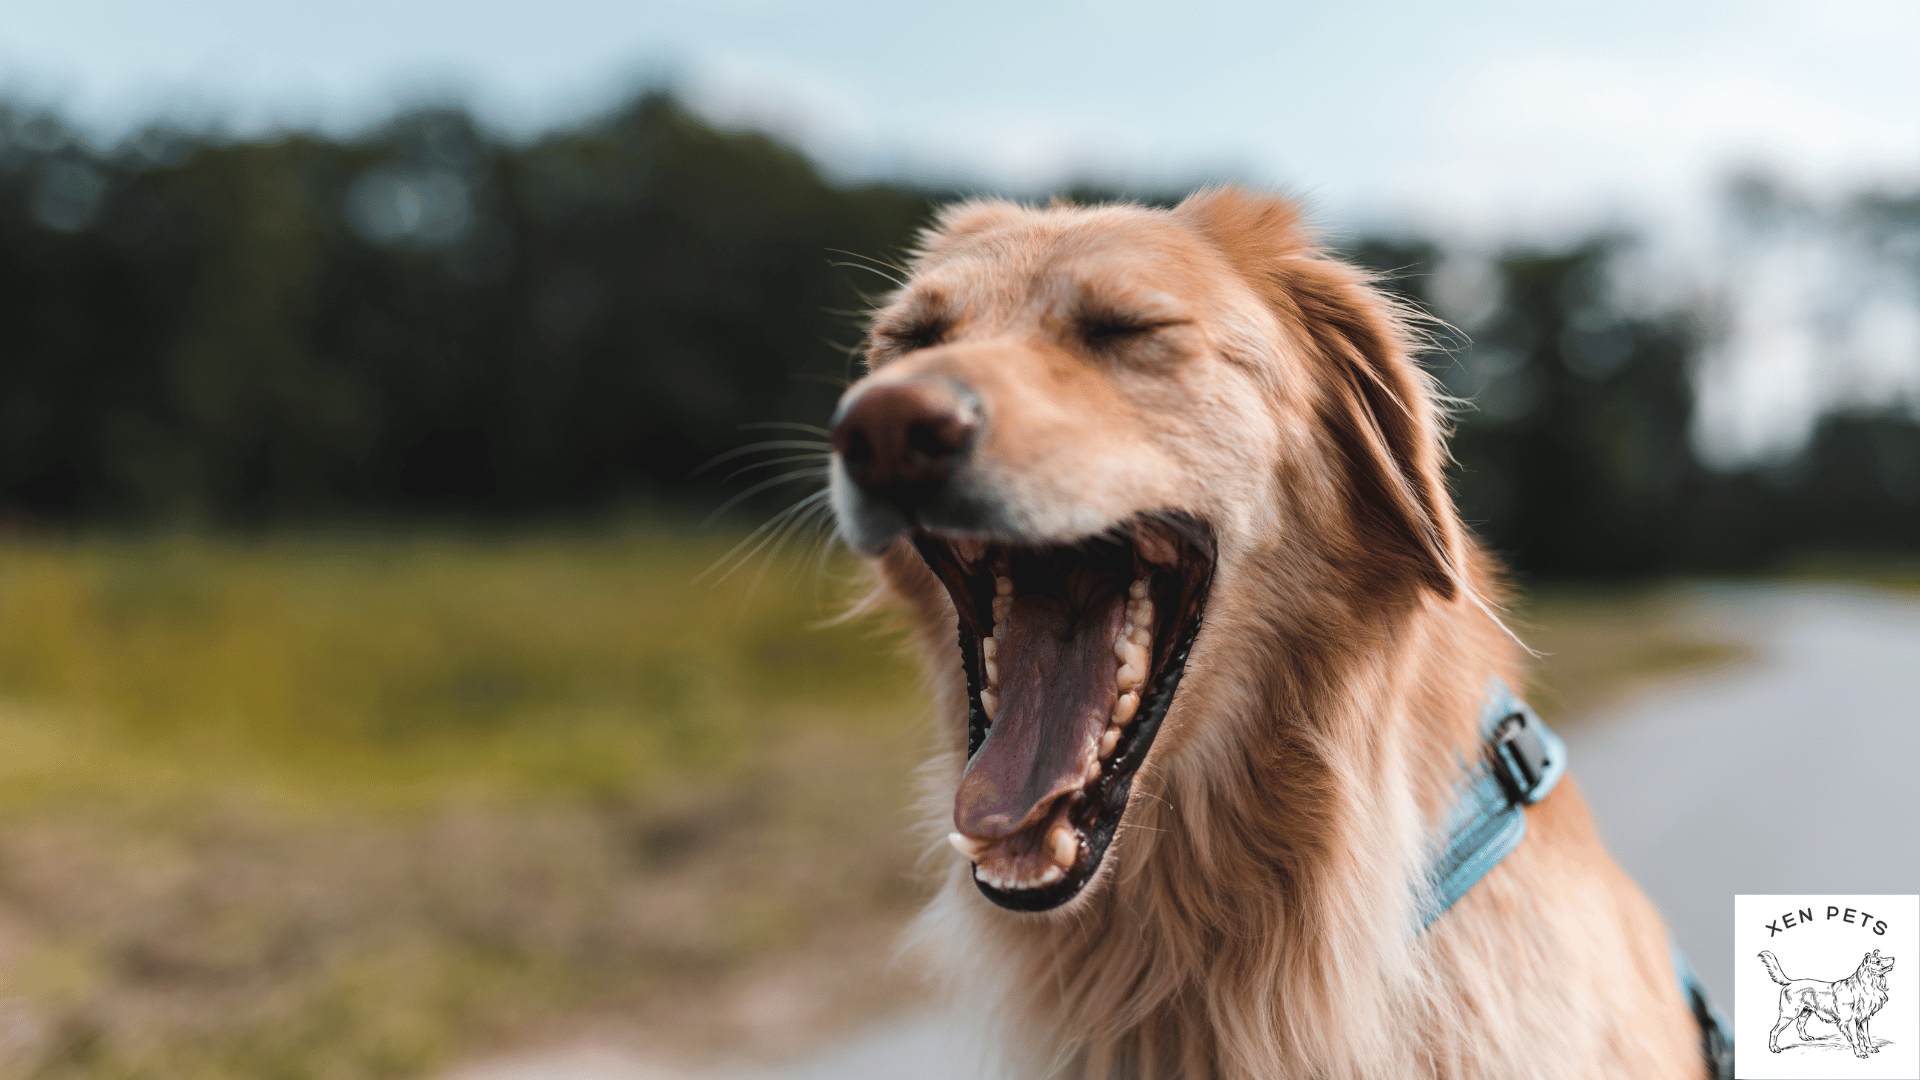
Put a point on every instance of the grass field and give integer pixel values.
(354, 809)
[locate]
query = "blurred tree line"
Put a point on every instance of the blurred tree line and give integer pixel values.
(429, 321)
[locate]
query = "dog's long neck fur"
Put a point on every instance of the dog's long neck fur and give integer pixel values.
(1268, 881)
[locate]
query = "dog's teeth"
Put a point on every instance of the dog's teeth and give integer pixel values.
(1048, 876)
(967, 845)
(989, 703)
(1124, 707)
(1137, 590)
(1140, 613)
(1063, 845)
(1133, 665)
(1003, 585)
(1002, 608)
(990, 659)
(1110, 739)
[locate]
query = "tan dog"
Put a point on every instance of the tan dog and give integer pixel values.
(1847, 1004)
(1174, 483)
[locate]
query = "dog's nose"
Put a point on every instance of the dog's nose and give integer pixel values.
(901, 442)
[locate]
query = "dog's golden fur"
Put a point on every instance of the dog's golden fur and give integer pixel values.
(1257, 915)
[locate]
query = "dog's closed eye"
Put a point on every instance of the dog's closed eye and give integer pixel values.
(1107, 330)
(924, 332)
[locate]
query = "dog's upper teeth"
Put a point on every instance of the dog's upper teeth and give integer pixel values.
(1133, 664)
(989, 659)
(989, 703)
(967, 845)
(1109, 739)
(1140, 614)
(1134, 644)
(1124, 707)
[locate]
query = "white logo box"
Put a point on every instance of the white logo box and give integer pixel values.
(1825, 937)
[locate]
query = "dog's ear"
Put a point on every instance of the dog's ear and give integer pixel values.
(1373, 398)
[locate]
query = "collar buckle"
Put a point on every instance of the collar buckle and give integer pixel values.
(1519, 756)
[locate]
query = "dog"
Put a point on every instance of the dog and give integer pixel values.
(1847, 1004)
(1162, 493)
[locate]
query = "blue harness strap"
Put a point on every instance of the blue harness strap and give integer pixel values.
(1522, 760)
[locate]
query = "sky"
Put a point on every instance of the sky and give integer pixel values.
(1475, 116)
(1474, 121)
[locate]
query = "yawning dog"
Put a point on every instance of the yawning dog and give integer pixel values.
(1163, 493)
(1847, 1004)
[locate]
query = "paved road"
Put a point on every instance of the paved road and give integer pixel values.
(1702, 790)
(1688, 781)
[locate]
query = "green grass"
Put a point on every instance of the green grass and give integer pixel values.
(358, 810)
(392, 670)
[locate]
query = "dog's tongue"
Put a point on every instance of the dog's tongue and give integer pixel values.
(1057, 671)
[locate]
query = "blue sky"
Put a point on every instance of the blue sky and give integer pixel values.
(1466, 116)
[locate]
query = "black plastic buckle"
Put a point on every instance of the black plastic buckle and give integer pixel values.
(1519, 757)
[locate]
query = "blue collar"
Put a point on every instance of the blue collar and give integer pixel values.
(1521, 760)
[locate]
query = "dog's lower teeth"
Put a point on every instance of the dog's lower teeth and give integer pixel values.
(1064, 846)
(1125, 706)
(1007, 883)
(1108, 740)
(989, 703)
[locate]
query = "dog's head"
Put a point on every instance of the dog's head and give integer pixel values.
(1876, 964)
(1086, 423)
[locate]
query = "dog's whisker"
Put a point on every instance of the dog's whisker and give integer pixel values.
(882, 264)
(816, 455)
(770, 482)
(785, 425)
(754, 448)
(779, 540)
(820, 377)
(869, 269)
(731, 562)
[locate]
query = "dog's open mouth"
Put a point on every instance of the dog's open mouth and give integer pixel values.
(1072, 655)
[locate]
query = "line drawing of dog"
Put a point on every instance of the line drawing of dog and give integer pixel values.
(1848, 1004)
(1200, 850)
